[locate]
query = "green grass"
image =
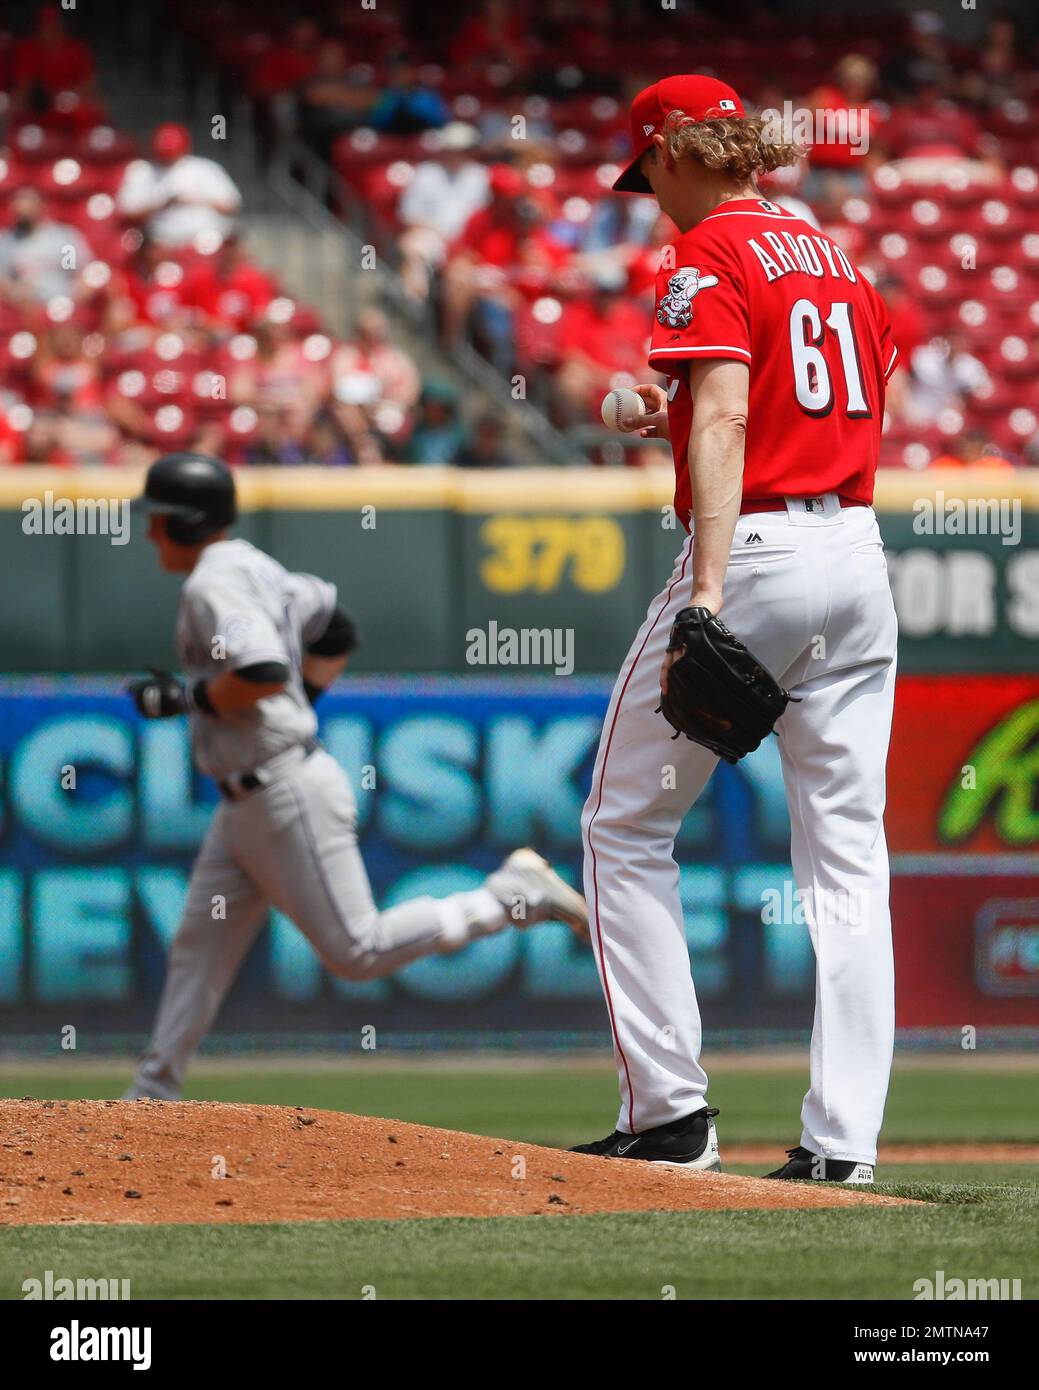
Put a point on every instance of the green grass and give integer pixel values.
(701, 1255)
(562, 1106)
(979, 1220)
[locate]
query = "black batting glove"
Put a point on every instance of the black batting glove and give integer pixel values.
(159, 696)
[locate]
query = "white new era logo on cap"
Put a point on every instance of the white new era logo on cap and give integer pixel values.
(726, 105)
(648, 129)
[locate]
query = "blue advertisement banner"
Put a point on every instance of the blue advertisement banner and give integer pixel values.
(102, 814)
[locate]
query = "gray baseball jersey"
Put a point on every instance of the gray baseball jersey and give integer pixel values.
(238, 607)
(292, 843)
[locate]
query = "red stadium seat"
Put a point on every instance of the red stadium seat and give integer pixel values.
(1023, 187)
(171, 426)
(32, 144)
(105, 145)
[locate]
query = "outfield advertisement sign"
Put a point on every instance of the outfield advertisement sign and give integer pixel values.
(102, 815)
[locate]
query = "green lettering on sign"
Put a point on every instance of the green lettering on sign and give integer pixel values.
(1007, 772)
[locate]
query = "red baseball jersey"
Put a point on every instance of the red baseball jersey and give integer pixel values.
(757, 284)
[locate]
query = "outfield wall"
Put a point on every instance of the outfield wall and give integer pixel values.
(425, 556)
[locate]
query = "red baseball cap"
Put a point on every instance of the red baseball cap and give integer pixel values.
(702, 98)
(171, 140)
(505, 181)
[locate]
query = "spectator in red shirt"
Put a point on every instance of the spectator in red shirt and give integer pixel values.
(505, 253)
(847, 124)
(285, 66)
(602, 344)
(12, 439)
(63, 374)
(70, 424)
(149, 290)
(498, 33)
(288, 61)
(908, 323)
(226, 289)
(49, 62)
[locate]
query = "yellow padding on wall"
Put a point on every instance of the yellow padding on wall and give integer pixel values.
(421, 488)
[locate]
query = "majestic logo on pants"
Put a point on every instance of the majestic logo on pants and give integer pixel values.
(675, 309)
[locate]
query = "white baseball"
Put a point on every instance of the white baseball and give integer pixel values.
(620, 405)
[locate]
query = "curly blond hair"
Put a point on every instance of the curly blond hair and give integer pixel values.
(742, 147)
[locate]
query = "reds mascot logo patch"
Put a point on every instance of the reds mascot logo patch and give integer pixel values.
(675, 309)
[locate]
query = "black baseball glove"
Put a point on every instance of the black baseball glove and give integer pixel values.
(718, 693)
(160, 695)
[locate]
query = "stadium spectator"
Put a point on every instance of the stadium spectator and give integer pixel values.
(282, 373)
(40, 259)
(49, 62)
(438, 435)
(908, 324)
(505, 252)
(148, 290)
(226, 290)
(64, 374)
(405, 105)
(603, 342)
(942, 373)
(327, 445)
(277, 441)
(70, 424)
(436, 205)
(331, 101)
(288, 62)
(178, 196)
(923, 59)
(485, 446)
(839, 163)
(499, 32)
(1001, 68)
(973, 449)
(12, 439)
(620, 222)
(375, 386)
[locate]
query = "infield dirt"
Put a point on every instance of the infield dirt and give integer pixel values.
(145, 1162)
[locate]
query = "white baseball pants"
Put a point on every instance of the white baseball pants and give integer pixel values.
(810, 598)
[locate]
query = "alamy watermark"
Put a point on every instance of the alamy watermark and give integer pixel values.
(815, 907)
(60, 1287)
(77, 516)
(968, 516)
(525, 646)
(948, 1288)
(803, 125)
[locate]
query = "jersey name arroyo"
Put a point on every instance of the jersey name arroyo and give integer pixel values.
(755, 284)
(809, 254)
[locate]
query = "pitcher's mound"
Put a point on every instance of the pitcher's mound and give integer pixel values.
(162, 1161)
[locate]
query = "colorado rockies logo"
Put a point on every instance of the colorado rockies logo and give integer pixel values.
(675, 309)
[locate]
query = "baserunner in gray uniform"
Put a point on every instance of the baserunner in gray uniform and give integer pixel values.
(258, 645)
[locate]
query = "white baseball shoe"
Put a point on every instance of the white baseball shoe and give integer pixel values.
(531, 891)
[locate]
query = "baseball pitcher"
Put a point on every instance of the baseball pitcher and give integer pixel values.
(258, 645)
(776, 350)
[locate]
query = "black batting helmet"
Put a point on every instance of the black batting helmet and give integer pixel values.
(194, 492)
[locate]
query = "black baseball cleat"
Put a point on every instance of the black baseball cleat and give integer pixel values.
(805, 1166)
(691, 1142)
